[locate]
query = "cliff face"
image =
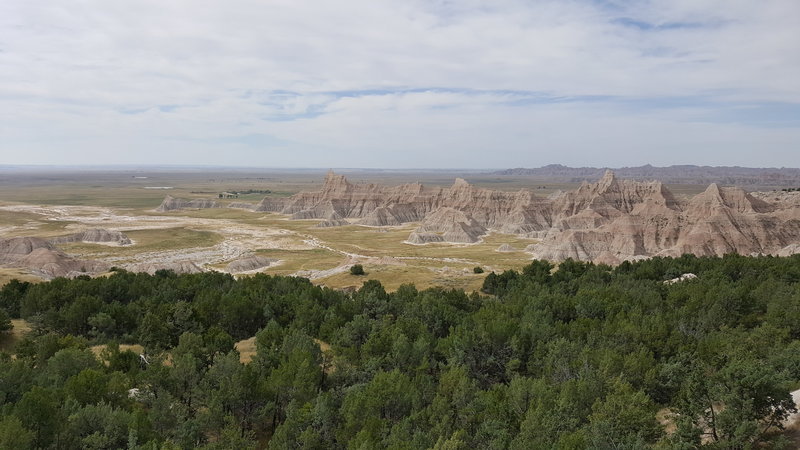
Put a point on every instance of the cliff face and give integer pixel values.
(615, 221)
(608, 221)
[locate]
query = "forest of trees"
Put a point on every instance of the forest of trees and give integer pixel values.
(585, 356)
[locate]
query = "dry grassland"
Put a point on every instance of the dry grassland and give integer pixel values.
(9, 340)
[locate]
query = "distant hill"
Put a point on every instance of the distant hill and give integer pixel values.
(684, 174)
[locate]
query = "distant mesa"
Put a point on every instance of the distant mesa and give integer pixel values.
(608, 221)
(171, 203)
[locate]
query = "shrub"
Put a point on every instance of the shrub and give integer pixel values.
(357, 269)
(477, 270)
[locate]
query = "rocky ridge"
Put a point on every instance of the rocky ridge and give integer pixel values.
(95, 235)
(171, 203)
(249, 264)
(608, 221)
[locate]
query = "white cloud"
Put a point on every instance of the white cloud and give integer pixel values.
(415, 84)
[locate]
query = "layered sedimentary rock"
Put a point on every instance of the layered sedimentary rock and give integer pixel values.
(608, 221)
(171, 203)
(95, 235)
(177, 267)
(377, 205)
(452, 225)
(42, 258)
(418, 238)
(250, 263)
(612, 220)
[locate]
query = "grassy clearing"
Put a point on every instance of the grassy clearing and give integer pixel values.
(9, 340)
(8, 274)
(246, 349)
(30, 224)
(13, 218)
(135, 348)
(388, 241)
(150, 240)
(172, 238)
(421, 275)
(239, 215)
(296, 260)
(75, 194)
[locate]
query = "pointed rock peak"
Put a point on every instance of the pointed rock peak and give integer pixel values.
(607, 181)
(460, 182)
(332, 180)
(711, 196)
(331, 176)
(712, 192)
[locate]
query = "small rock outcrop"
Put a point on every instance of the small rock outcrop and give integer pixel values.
(95, 235)
(177, 267)
(684, 277)
(171, 203)
(249, 264)
(505, 248)
(418, 238)
(332, 223)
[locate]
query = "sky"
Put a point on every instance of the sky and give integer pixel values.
(400, 84)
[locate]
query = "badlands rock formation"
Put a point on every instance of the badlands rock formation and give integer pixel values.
(153, 267)
(250, 263)
(42, 258)
(95, 235)
(612, 220)
(608, 221)
(452, 225)
(171, 203)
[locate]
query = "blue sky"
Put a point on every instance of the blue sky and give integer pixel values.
(413, 84)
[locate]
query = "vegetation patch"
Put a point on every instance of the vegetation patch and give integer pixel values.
(582, 356)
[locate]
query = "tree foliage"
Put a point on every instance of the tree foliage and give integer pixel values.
(582, 356)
